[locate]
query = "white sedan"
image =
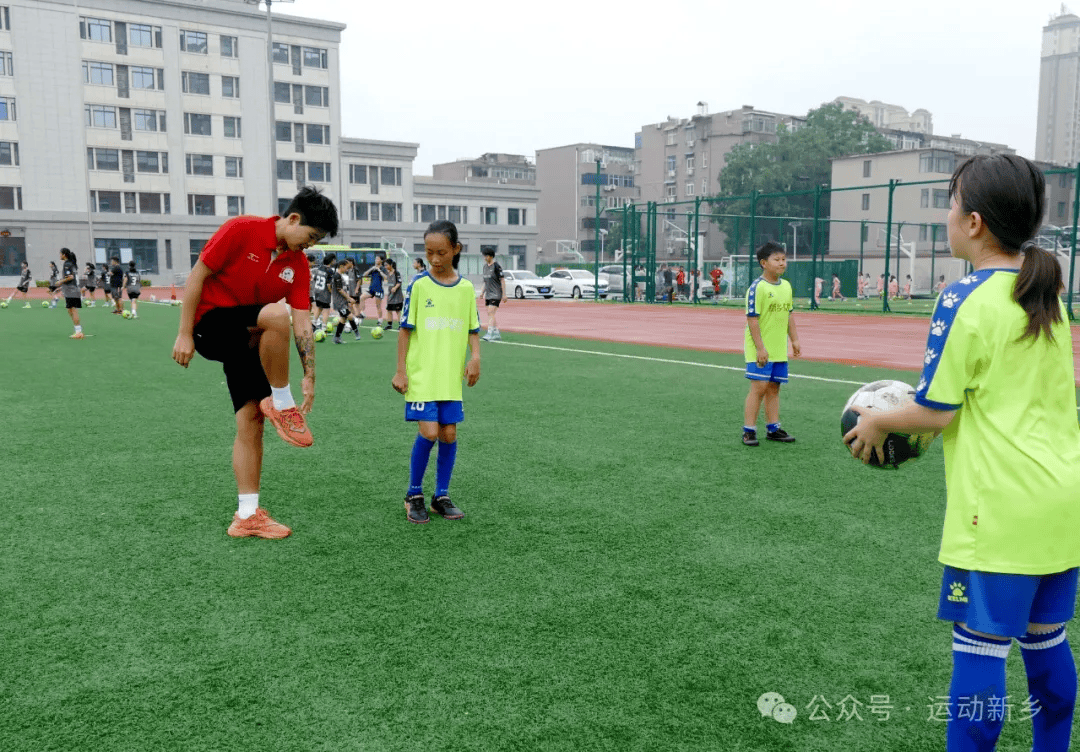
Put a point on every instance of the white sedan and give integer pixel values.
(577, 283)
(525, 284)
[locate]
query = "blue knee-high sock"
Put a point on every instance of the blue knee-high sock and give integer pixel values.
(1051, 675)
(977, 692)
(444, 467)
(421, 451)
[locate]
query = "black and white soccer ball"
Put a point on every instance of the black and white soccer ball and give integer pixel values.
(887, 395)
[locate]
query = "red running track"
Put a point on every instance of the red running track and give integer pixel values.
(888, 341)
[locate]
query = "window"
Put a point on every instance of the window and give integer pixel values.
(234, 167)
(230, 87)
(234, 205)
(319, 172)
(1061, 209)
(282, 93)
(196, 124)
(97, 116)
(7, 109)
(314, 57)
(671, 163)
(515, 216)
(103, 159)
(144, 35)
(317, 96)
(5, 19)
(390, 175)
(200, 205)
(489, 215)
(94, 29)
(318, 134)
(6, 66)
(143, 252)
(360, 210)
(922, 233)
(200, 164)
(105, 201)
(142, 77)
(690, 165)
(358, 174)
(866, 168)
(9, 153)
(427, 212)
(150, 120)
(284, 169)
(937, 161)
(866, 202)
(195, 248)
(232, 127)
(101, 74)
(865, 233)
(195, 83)
(391, 212)
(147, 161)
(229, 46)
(193, 41)
(689, 189)
(941, 198)
(924, 198)
(281, 53)
(129, 203)
(458, 214)
(10, 197)
(283, 131)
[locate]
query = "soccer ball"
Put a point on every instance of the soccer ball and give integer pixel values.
(127, 314)
(320, 335)
(887, 395)
(3, 304)
(153, 298)
(376, 333)
(332, 321)
(44, 304)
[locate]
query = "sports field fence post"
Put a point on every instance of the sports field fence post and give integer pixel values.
(933, 257)
(888, 246)
(696, 271)
(597, 237)
(752, 254)
(650, 239)
(862, 242)
(1072, 253)
(814, 250)
(627, 254)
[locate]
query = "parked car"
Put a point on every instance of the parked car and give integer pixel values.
(525, 284)
(576, 283)
(614, 275)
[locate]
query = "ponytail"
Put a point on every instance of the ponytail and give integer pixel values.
(1038, 286)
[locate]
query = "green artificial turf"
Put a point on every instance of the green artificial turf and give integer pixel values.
(628, 576)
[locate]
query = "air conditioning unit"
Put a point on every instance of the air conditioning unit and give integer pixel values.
(671, 173)
(609, 187)
(689, 170)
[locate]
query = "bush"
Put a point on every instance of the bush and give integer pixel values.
(41, 283)
(145, 283)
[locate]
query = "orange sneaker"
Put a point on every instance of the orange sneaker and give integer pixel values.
(259, 525)
(290, 424)
(77, 335)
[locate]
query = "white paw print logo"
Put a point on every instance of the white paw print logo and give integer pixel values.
(950, 299)
(968, 279)
(931, 353)
(938, 327)
(921, 385)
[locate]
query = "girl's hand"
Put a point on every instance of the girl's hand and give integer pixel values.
(795, 349)
(400, 382)
(472, 372)
(866, 438)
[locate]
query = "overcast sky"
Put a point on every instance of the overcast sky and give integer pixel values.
(474, 76)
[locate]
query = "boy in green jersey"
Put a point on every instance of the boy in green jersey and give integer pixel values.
(440, 319)
(768, 326)
(998, 383)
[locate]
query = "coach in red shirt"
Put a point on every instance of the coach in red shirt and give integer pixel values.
(232, 314)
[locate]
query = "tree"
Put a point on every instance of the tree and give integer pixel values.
(797, 161)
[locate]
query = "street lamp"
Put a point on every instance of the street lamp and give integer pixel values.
(603, 237)
(794, 239)
(270, 99)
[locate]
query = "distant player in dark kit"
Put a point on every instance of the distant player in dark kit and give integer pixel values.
(69, 287)
(23, 286)
(375, 289)
(231, 314)
(54, 283)
(106, 288)
(320, 289)
(494, 294)
(116, 284)
(342, 301)
(89, 282)
(395, 295)
(133, 283)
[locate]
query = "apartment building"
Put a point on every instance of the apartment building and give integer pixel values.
(1057, 134)
(508, 169)
(147, 124)
(567, 178)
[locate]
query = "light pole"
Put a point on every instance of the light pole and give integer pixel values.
(271, 106)
(795, 239)
(603, 237)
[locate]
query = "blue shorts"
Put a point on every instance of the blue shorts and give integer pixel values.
(774, 372)
(375, 293)
(443, 412)
(1003, 604)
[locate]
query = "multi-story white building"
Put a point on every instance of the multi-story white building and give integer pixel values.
(137, 128)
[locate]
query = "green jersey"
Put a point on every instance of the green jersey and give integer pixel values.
(771, 305)
(439, 319)
(1012, 452)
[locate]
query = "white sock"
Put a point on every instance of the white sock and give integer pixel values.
(283, 398)
(248, 504)
(78, 330)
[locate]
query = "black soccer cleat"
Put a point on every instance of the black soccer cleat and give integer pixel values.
(749, 438)
(415, 511)
(441, 505)
(780, 435)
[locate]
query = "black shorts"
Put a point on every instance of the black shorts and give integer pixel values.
(90, 289)
(324, 304)
(394, 306)
(72, 302)
(116, 294)
(52, 288)
(377, 294)
(492, 302)
(22, 289)
(222, 335)
(344, 311)
(133, 295)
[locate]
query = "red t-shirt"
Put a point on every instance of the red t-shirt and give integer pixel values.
(245, 272)
(680, 278)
